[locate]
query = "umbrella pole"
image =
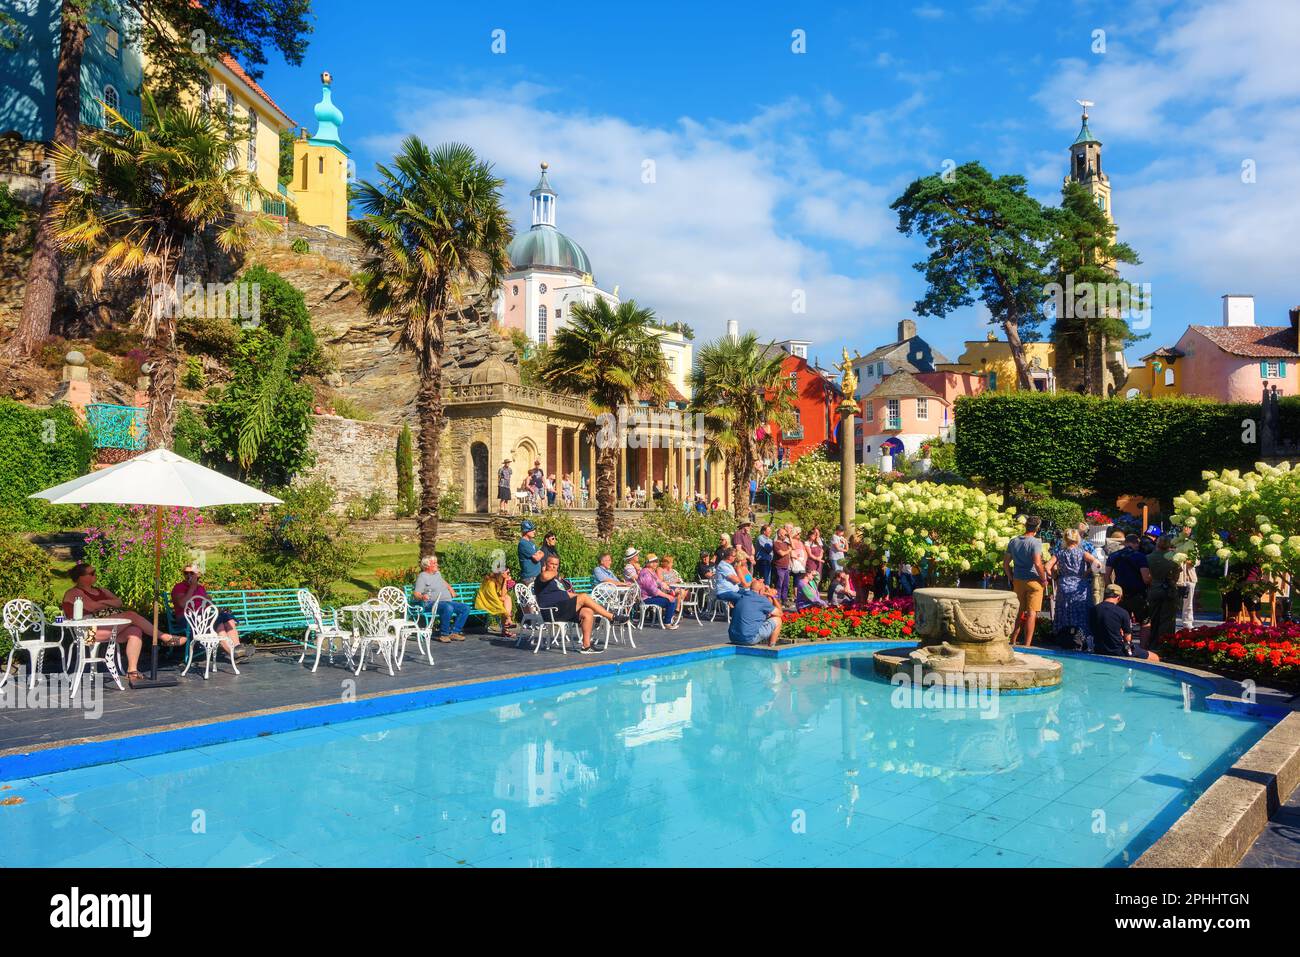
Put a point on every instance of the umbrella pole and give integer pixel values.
(157, 581)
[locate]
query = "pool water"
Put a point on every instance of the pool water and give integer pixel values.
(732, 761)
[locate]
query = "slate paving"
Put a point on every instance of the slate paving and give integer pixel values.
(1279, 845)
(275, 679)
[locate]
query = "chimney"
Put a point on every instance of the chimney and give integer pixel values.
(906, 330)
(733, 330)
(1238, 310)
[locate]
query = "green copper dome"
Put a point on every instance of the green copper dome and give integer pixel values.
(1085, 134)
(545, 247)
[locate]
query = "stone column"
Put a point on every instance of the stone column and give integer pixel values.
(848, 465)
(577, 462)
(621, 481)
(591, 474)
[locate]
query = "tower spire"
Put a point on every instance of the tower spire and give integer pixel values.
(543, 201)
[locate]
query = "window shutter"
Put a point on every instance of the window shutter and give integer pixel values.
(1263, 370)
(1281, 370)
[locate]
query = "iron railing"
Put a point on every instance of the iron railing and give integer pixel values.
(118, 426)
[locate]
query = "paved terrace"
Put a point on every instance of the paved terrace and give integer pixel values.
(273, 679)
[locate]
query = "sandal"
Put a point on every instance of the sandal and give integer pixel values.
(171, 641)
(444, 639)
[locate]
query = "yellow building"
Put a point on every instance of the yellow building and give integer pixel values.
(258, 120)
(320, 169)
(1157, 377)
(991, 359)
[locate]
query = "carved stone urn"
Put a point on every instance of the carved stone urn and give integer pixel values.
(967, 632)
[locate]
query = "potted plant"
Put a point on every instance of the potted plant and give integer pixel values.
(1098, 523)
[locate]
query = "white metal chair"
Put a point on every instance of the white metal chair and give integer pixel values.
(540, 620)
(24, 617)
(405, 626)
(371, 622)
(92, 653)
(201, 617)
(618, 600)
(320, 629)
(645, 608)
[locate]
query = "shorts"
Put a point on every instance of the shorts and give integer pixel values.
(764, 632)
(1030, 593)
(503, 494)
(223, 617)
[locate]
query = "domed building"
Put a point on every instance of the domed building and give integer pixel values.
(550, 273)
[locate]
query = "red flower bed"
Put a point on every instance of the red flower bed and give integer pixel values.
(1240, 650)
(887, 620)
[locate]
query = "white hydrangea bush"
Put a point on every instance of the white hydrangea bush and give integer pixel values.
(1244, 519)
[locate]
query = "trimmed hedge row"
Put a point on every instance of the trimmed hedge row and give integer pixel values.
(1155, 447)
(38, 448)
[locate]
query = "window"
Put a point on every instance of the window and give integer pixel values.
(205, 98)
(252, 141)
(869, 411)
(230, 102)
(893, 413)
(922, 408)
(514, 290)
(1101, 203)
(111, 100)
(672, 360)
(1169, 377)
(541, 324)
(113, 43)
(993, 382)
(320, 165)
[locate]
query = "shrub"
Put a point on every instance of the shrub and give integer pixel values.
(1155, 447)
(284, 308)
(942, 455)
(25, 572)
(1060, 513)
(299, 543)
(38, 448)
(193, 377)
(121, 550)
(450, 504)
(217, 337)
(12, 213)
(1240, 650)
(368, 507)
(300, 246)
(407, 500)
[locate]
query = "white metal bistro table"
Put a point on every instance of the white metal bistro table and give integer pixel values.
(694, 596)
(85, 645)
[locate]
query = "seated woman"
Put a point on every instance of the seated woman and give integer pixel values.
(655, 592)
(102, 603)
(188, 587)
(671, 578)
(552, 591)
(494, 598)
(807, 595)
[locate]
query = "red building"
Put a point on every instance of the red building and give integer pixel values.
(816, 395)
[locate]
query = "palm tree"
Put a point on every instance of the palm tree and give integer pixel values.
(739, 387)
(608, 355)
(434, 225)
(134, 199)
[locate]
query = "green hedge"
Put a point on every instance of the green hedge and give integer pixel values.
(1154, 447)
(38, 448)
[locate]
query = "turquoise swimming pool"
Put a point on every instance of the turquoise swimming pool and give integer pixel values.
(737, 760)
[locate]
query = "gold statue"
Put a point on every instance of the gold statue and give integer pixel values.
(849, 382)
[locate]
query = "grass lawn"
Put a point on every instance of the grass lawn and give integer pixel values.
(361, 581)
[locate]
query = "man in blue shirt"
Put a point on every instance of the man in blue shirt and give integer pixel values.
(1128, 568)
(530, 553)
(604, 571)
(755, 617)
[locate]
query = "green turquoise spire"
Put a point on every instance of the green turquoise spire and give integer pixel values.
(328, 118)
(1085, 134)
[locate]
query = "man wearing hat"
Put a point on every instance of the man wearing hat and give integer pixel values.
(743, 541)
(631, 567)
(504, 495)
(1112, 628)
(530, 554)
(1129, 569)
(191, 587)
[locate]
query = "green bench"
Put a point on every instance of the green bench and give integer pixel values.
(277, 610)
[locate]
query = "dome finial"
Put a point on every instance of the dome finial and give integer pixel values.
(545, 166)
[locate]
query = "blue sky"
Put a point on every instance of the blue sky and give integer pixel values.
(773, 170)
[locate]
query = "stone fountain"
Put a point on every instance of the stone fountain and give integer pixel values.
(965, 634)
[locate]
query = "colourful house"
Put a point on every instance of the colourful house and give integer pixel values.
(991, 359)
(908, 353)
(112, 71)
(907, 409)
(1236, 360)
(322, 169)
(816, 396)
(1159, 376)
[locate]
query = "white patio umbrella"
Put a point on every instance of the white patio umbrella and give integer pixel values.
(163, 479)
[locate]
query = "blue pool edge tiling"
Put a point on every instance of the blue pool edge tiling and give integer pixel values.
(48, 760)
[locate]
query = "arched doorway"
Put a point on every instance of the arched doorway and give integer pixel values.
(478, 454)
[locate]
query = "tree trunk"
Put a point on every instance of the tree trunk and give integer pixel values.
(1090, 383)
(1018, 354)
(45, 267)
(741, 470)
(428, 407)
(162, 384)
(606, 489)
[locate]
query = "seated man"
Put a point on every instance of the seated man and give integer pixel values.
(1112, 628)
(604, 571)
(843, 594)
(553, 592)
(654, 592)
(755, 617)
(727, 583)
(429, 588)
(225, 625)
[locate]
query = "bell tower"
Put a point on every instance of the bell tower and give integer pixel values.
(1085, 165)
(320, 168)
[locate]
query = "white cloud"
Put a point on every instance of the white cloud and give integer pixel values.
(729, 229)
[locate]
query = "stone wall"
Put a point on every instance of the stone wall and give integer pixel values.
(355, 457)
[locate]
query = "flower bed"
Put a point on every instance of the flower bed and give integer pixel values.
(887, 620)
(1240, 650)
